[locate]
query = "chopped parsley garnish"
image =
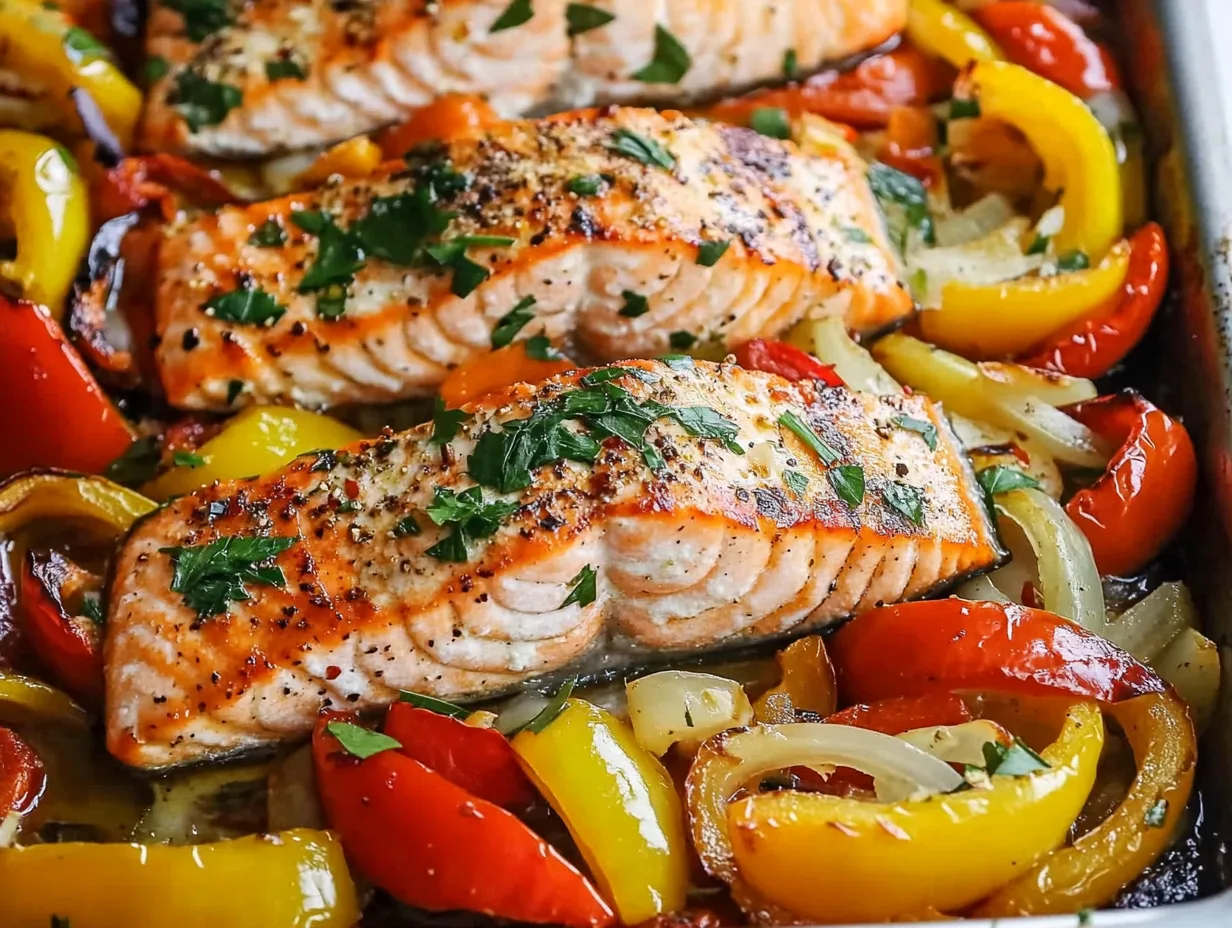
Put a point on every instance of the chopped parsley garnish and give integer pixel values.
(510, 324)
(187, 459)
(248, 306)
(339, 257)
(210, 576)
(156, 68)
(796, 481)
(682, 340)
(848, 483)
(515, 14)
(688, 718)
(431, 703)
(640, 148)
(586, 185)
(467, 274)
(445, 423)
(280, 68)
(678, 362)
(359, 741)
(1039, 244)
(269, 234)
(582, 17)
(925, 428)
(326, 460)
(772, 121)
(470, 516)
(906, 500)
(92, 608)
(964, 109)
(1013, 761)
(1157, 814)
(1073, 261)
(554, 708)
(670, 63)
(904, 203)
(406, 526)
(202, 102)
(856, 234)
(138, 464)
(635, 304)
(1084, 916)
(234, 389)
(1002, 478)
(397, 228)
(805, 433)
(584, 588)
(708, 253)
(791, 64)
(202, 18)
(539, 347)
(79, 45)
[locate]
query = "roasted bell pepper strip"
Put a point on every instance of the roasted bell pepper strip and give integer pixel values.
(947, 32)
(1079, 158)
(66, 642)
(985, 321)
(824, 858)
(137, 182)
(786, 360)
(501, 368)
(54, 414)
(357, 157)
(1094, 345)
(446, 117)
(29, 498)
(1042, 38)
(43, 45)
(1091, 871)
(480, 760)
(807, 683)
(1141, 501)
(24, 699)
(619, 804)
(297, 879)
(49, 209)
(912, 142)
(21, 775)
(903, 713)
(430, 843)
(946, 645)
(258, 440)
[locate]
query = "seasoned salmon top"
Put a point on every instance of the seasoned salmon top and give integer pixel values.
(614, 228)
(254, 78)
(651, 505)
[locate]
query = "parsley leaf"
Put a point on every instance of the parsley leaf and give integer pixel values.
(338, 258)
(470, 516)
(708, 253)
(771, 121)
(964, 109)
(925, 428)
(1039, 244)
(510, 324)
(1073, 261)
(80, 46)
(138, 464)
(670, 63)
(517, 13)
(904, 203)
(92, 608)
(439, 706)
(202, 102)
(445, 423)
(1013, 761)
(857, 235)
(638, 147)
(582, 17)
(682, 340)
(269, 234)
(704, 422)
(1157, 814)
(234, 389)
(359, 741)
(848, 483)
(805, 433)
(156, 68)
(635, 304)
(248, 306)
(396, 228)
(1002, 478)
(791, 64)
(187, 459)
(202, 18)
(212, 575)
(586, 185)
(584, 588)
(279, 68)
(406, 526)
(554, 708)
(796, 481)
(539, 347)
(906, 500)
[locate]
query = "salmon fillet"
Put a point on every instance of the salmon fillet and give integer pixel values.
(624, 514)
(259, 78)
(616, 268)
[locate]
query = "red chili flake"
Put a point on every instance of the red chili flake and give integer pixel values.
(351, 487)
(333, 672)
(1021, 453)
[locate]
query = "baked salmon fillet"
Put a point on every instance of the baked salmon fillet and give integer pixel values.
(611, 229)
(258, 78)
(623, 514)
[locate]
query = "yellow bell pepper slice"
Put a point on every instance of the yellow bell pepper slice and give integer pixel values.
(48, 207)
(357, 157)
(982, 321)
(258, 440)
(24, 699)
(827, 858)
(1095, 867)
(34, 497)
(43, 45)
(807, 683)
(947, 32)
(1078, 155)
(295, 879)
(619, 804)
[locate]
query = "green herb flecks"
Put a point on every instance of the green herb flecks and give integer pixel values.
(431, 703)
(771, 121)
(1157, 814)
(138, 464)
(856, 235)
(80, 46)
(904, 203)
(1039, 244)
(407, 527)
(445, 423)
(92, 608)
(280, 68)
(359, 741)
(926, 429)
(187, 459)
(1013, 761)
(339, 257)
(554, 708)
(1073, 261)
(202, 18)
(682, 340)
(155, 68)
(796, 481)
(587, 185)
(709, 253)
(635, 304)
(234, 389)
(1003, 478)
(964, 109)
(791, 64)
(670, 63)
(510, 324)
(516, 14)
(471, 518)
(269, 234)
(640, 148)
(211, 576)
(848, 483)
(906, 500)
(584, 588)
(582, 17)
(247, 306)
(202, 102)
(802, 430)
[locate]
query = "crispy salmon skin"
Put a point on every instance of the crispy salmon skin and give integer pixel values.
(628, 511)
(253, 79)
(614, 229)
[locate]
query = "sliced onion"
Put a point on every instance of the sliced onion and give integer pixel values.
(732, 759)
(206, 805)
(982, 217)
(1062, 437)
(1150, 625)
(1010, 381)
(957, 744)
(991, 259)
(293, 800)
(981, 589)
(679, 705)
(1068, 577)
(827, 339)
(519, 710)
(1191, 664)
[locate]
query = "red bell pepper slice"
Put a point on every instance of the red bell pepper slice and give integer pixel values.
(948, 645)
(21, 775)
(430, 843)
(1044, 40)
(136, 182)
(1093, 346)
(480, 760)
(1147, 491)
(788, 361)
(53, 414)
(68, 645)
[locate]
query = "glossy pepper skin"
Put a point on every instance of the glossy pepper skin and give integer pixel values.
(69, 645)
(947, 32)
(903, 713)
(485, 373)
(431, 844)
(21, 775)
(30, 497)
(447, 116)
(139, 181)
(917, 648)
(788, 361)
(1147, 490)
(1093, 345)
